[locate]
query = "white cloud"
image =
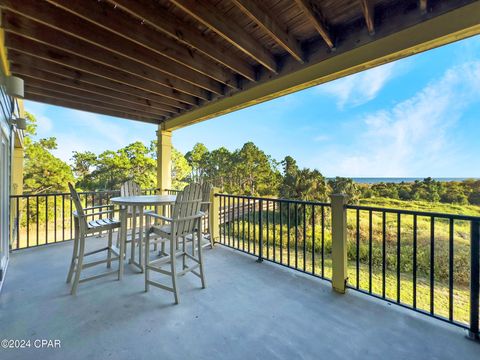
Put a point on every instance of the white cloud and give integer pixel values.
(413, 138)
(321, 138)
(44, 124)
(114, 135)
(359, 88)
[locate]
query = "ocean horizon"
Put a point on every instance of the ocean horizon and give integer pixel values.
(377, 180)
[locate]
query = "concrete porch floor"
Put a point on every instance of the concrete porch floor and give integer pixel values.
(247, 311)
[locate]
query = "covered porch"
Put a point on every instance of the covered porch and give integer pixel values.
(177, 63)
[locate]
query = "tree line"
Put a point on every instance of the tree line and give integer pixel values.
(248, 171)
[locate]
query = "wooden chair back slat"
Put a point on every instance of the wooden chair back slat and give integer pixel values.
(187, 204)
(82, 220)
(130, 188)
(206, 192)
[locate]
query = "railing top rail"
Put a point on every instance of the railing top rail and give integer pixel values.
(415, 212)
(275, 199)
(92, 192)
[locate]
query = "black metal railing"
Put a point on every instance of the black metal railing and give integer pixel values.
(427, 262)
(41, 219)
(295, 234)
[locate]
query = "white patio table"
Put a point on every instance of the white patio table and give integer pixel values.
(138, 204)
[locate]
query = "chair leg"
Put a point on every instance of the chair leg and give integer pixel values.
(74, 253)
(122, 238)
(140, 237)
(147, 261)
(133, 242)
(193, 243)
(109, 256)
(174, 269)
(212, 243)
(200, 259)
(184, 256)
(79, 264)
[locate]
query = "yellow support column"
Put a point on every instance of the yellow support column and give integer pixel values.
(339, 243)
(214, 216)
(164, 159)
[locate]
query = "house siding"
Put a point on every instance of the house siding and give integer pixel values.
(6, 150)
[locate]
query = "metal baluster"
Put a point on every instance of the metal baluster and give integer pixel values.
(71, 218)
(243, 224)
(268, 226)
(281, 233)
(248, 224)
(384, 251)
(323, 241)
(432, 265)
(63, 217)
(450, 269)
(288, 234)
(274, 233)
(474, 278)
(304, 237)
(357, 260)
(399, 239)
(254, 226)
(296, 236)
(28, 222)
(55, 217)
(238, 221)
(229, 218)
(224, 219)
(414, 261)
(46, 219)
(370, 251)
(260, 234)
(231, 222)
(18, 221)
(313, 239)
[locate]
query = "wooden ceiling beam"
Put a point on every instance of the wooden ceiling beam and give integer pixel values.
(153, 15)
(67, 23)
(83, 94)
(312, 12)
(41, 76)
(57, 94)
(260, 15)
(368, 14)
(207, 14)
(16, 24)
(33, 48)
(88, 108)
(16, 57)
(115, 20)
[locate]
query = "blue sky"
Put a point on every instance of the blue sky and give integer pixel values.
(416, 117)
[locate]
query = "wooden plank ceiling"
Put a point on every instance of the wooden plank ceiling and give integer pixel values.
(152, 60)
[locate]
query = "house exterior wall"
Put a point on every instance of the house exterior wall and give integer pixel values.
(6, 149)
(11, 161)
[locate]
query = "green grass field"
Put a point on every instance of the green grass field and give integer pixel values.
(472, 210)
